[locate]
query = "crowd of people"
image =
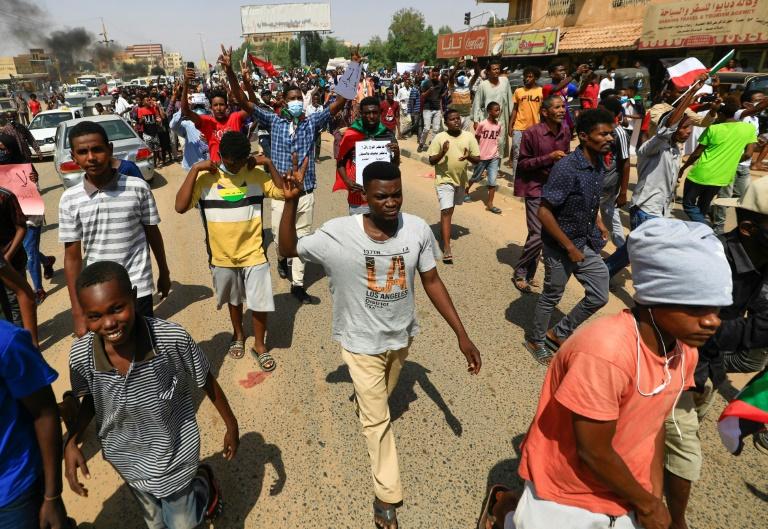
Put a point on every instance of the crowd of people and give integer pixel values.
(616, 429)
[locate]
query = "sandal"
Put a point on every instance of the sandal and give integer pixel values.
(522, 285)
(236, 349)
(384, 517)
(266, 362)
(487, 520)
(495, 210)
(541, 353)
(447, 259)
(552, 343)
(215, 505)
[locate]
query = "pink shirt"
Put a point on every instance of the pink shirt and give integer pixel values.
(595, 374)
(487, 135)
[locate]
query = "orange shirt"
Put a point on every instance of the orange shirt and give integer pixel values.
(594, 374)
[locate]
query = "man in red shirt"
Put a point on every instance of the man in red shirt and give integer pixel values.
(34, 105)
(148, 125)
(390, 112)
(590, 92)
(212, 127)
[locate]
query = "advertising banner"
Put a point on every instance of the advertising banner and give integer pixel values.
(279, 18)
(704, 24)
(527, 43)
(454, 45)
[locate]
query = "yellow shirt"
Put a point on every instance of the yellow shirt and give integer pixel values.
(528, 105)
(231, 208)
(449, 170)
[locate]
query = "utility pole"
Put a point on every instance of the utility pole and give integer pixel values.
(106, 41)
(202, 47)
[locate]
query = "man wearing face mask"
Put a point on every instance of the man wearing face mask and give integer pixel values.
(291, 133)
(614, 382)
(609, 81)
(738, 346)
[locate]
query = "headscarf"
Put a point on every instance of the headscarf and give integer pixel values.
(12, 147)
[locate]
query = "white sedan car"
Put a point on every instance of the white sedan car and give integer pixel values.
(43, 126)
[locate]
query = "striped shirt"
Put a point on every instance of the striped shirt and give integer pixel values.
(145, 419)
(110, 224)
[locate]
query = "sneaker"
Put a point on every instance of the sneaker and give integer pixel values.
(48, 267)
(301, 295)
(283, 270)
(215, 505)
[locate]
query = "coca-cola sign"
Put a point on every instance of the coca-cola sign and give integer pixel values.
(453, 45)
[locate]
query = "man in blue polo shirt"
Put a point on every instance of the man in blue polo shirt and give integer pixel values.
(30, 444)
(573, 235)
(291, 132)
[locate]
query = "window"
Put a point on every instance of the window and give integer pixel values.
(561, 7)
(522, 12)
(624, 3)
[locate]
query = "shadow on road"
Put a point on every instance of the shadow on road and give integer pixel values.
(520, 311)
(457, 232)
(158, 181)
(399, 402)
(241, 480)
(180, 298)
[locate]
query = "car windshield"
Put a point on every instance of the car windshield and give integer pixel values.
(117, 130)
(75, 101)
(49, 121)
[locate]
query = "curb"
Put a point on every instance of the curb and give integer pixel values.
(505, 180)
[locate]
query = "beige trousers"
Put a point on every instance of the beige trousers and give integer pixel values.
(374, 378)
(304, 213)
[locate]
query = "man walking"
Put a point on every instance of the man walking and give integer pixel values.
(573, 235)
(432, 92)
(371, 261)
(541, 146)
(494, 88)
(526, 112)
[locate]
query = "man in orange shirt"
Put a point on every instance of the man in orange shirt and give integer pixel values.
(594, 452)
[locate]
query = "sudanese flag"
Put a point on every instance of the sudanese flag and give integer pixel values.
(267, 66)
(746, 414)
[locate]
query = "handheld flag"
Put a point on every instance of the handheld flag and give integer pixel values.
(745, 415)
(722, 62)
(267, 66)
(684, 73)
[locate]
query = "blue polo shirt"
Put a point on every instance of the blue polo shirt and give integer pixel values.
(573, 190)
(22, 372)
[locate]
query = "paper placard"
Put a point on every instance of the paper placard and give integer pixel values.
(16, 179)
(367, 152)
(346, 86)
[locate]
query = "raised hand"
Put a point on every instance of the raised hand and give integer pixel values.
(293, 181)
(445, 147)
(356, 54)
(225, 59)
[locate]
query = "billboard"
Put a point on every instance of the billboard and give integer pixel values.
(704, 24)
(527, 43)
(454, 45)
(280, 18)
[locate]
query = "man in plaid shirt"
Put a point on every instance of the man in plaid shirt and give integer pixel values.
(414, 109)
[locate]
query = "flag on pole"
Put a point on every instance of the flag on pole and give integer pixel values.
(722, 62)
(685, 73)
(746, 414)
(267, 66)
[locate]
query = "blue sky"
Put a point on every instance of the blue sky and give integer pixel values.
(176, 24)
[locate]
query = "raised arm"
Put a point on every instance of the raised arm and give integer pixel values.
(293, 185)
(188, 76)
(225, 59)
(338, 103)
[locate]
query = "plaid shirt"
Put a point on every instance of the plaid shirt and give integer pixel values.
(414, 101)
(301, 140)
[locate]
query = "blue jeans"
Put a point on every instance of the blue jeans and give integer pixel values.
(24, 511)
(696, 200)
(619, 259)
(492, 166)
(34, 257)
(184, 509)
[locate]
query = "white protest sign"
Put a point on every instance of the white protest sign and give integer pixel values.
(347, 83)
(367, 152)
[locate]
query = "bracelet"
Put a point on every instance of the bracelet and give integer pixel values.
(52, 498)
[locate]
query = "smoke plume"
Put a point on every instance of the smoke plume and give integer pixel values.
(68, 46)
(24, 19)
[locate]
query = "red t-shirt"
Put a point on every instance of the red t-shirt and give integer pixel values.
(34, 107)
(148, 119)
(589, 96)
(389, 113)
(213, 130)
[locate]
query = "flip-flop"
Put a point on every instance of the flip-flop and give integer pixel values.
(388, 515)
(541, 353)
(525, 288)
(236, 349)
(447, 259)
(495, 210)
(486, 517)
(551, 344)
(266, 362)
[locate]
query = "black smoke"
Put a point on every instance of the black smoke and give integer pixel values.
(69, 46)
(24, 21)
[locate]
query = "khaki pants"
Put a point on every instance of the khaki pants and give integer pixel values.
(374, 378)
(682, 454)
(304, 213)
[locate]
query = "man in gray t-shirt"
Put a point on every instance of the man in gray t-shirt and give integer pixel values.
(371, 261)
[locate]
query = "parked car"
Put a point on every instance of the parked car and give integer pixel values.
(43, 126)
(127, 145)
(76, 89)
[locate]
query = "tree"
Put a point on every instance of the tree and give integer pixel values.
(409, 39)
(157, 70)
(376, 51)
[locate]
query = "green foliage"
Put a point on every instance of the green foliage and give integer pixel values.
(288, 54)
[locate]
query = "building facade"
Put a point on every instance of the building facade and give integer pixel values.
(7, 68)
(173, 62)
(256, 41)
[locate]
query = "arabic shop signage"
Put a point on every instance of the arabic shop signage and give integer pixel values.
(704, 24)
(527, 43)
(454, 45)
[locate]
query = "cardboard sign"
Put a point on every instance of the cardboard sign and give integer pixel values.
(347, 83)
(16, 179)
(367, 152)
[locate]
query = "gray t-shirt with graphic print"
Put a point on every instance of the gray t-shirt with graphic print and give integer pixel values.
(371, 281)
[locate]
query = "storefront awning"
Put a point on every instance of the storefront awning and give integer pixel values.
(600, 38)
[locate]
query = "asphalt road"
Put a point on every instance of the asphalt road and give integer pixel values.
(302, 461)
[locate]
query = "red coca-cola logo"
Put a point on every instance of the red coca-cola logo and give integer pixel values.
(478, 43)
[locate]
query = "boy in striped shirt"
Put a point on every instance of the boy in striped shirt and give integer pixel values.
(231, 197)
(136, 375)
